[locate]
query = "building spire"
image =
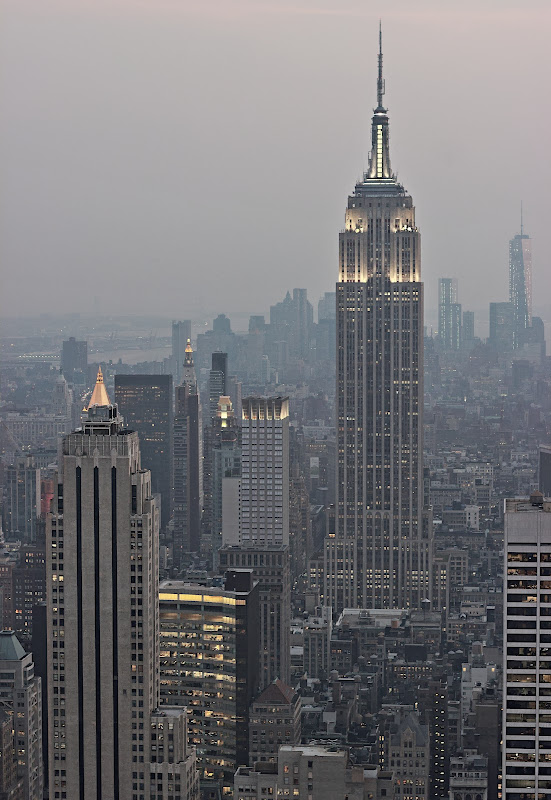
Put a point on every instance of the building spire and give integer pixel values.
(379, 160)
(380, 79)
(99, 395)
(521, 221)
(189, 377)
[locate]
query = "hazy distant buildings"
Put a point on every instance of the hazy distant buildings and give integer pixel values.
(449, 314)
(467, 331)
(74, 360)
(146, 405)
(502, 327)
(379, 554)
(326, 306)
(291, 321)
(520, 285)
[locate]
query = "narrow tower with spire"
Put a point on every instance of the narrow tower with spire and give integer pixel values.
(520, 283)
(380, 552)
(188, 464)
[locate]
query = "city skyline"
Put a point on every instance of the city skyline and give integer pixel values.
(288, 107)
(304, 556)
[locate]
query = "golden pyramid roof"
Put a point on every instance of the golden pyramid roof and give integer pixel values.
(99, 395)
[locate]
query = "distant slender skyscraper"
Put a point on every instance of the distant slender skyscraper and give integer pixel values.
(379, 554)
(449, 314)
(74, 358)
(520, 283)
(188, 463)
(181, 332)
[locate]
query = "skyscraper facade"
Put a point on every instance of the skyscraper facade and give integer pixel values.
(263, 507)
(209, 662)
(22, 498)
(225, 462)
(188, 463)
(146, 405)
(380, 553)
(520, 284)
(20, 696)
(102, 617)
(271, 568)
(526, 746)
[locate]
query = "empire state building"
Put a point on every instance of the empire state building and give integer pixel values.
(380, 552)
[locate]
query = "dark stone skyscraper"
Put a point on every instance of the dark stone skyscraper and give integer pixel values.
(145, 402)
(74, 358)
(380, 552)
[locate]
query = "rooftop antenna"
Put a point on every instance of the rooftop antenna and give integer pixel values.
(380, 81)
(521, 221)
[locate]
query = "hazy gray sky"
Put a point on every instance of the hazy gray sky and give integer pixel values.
(194, 156)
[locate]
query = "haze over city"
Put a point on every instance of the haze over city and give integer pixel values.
(189, 157)
(275, 408)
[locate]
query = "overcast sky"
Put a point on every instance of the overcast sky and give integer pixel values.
(195, 156)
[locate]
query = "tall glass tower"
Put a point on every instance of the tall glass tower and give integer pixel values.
(520, 284)
(380, 552)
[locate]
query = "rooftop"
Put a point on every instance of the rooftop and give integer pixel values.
(10, 647)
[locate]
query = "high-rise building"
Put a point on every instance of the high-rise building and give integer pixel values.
(146, 405)
(188, 463)
(209, 662)
(263, 507)
(22, 498)
(29, 585)
(526, 746)
(544, 469)
(467, 331)
(217, 381)
(20, 696)
(449, 314)
(520, 284)
(326, 306)
(270, 566)
(181, 332)
(103, 620)
(502, 326)
(225, 462)
(380, 552)
(74, 359)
